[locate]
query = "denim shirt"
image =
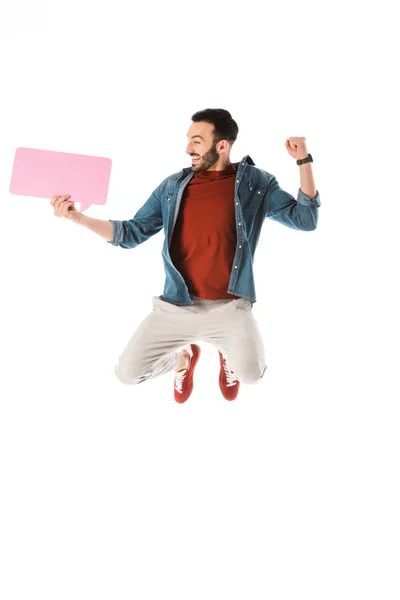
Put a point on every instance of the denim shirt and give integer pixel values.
(257, 196)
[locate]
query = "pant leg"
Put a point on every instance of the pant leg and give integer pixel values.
(155, 346)
(233, 329)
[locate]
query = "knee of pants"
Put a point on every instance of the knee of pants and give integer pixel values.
(127, 378)
(253, 373)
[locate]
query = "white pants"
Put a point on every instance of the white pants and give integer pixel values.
(229, 325)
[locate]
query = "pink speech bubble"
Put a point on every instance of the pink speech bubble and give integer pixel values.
(45, 173)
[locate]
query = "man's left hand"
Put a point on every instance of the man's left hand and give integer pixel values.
(296, 146)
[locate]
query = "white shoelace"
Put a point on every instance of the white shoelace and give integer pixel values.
(230, 378)
(179, 377)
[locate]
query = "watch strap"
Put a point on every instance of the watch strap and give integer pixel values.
(302, 161)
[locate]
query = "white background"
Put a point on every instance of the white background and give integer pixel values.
(115, 492)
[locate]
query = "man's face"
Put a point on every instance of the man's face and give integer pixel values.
(201, 147)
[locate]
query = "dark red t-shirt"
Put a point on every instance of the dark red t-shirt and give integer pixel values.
(203, 243)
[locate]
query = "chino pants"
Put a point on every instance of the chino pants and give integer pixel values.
(229, 325)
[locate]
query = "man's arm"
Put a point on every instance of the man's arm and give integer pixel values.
(129, 234)
(281, 206)
(298, 214)
(102, 228)
(146, 222)
(307, 184)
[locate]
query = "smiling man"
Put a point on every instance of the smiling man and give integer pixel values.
(212, 213)
(202, 147)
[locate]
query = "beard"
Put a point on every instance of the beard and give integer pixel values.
(209, 159)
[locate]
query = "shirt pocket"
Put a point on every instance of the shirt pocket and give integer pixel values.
(168, 197)
(166, 203)
(255, 195)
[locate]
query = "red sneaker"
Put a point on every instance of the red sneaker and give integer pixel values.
(183, 384)
(228, 383)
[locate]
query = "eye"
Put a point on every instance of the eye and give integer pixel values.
(197, 142)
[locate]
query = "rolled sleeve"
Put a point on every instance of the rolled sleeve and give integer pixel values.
(284, 208)
(118, 233)
(302, 198)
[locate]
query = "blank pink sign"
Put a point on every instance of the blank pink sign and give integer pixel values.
(45, 173)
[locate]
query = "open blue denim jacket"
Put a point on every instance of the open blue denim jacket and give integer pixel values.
(257, 196)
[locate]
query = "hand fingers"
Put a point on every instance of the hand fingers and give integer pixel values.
(65, 207)
(61, 205)
(53, 200)
(59, 199)
(57, 204)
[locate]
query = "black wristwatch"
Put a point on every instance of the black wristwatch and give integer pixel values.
(301, 161)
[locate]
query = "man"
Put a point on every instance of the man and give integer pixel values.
(212, 214)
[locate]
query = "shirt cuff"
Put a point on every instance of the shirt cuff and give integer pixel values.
(302, 198)
(118, 233)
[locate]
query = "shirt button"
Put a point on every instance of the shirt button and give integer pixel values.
(239, 223)
(242, 163)
(258, 192)
(235, 266)
(240, 246)
(237, 202)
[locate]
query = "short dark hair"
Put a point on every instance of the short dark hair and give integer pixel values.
(225, 128)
